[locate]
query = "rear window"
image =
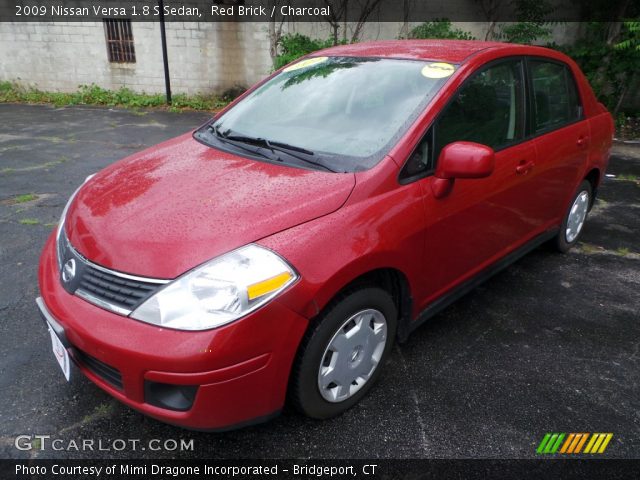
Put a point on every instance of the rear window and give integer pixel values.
(555, 96)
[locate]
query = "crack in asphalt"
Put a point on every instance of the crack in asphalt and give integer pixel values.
(424, 443)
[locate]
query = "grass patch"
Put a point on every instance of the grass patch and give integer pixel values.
(623, 251)
(29, 221)
(101, 411)
(24, 198)
(52, 163)
(590, 249)
(627, 176)
(12, 92)
(40, 166)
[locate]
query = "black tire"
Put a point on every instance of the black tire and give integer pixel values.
(304, 391)
(561, 243)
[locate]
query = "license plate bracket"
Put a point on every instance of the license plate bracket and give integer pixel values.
(61, 353)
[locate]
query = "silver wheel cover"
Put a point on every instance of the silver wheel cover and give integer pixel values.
(577, 216)
(352, 355)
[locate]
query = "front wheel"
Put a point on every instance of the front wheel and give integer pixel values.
(342, 355)
(575, 218)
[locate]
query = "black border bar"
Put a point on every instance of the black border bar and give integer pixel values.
(538, 469)
(309, 10)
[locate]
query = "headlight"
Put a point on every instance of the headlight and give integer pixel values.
(59, 234)
(220, 291)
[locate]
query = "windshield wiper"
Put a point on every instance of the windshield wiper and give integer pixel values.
(270, 144)
(273, 146)
(221, 137)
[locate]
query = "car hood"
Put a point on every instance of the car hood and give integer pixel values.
(174, 206)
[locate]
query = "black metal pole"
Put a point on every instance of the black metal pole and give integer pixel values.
(165, 59)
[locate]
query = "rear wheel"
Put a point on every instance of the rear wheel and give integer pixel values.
(342, 355)
(575, 218)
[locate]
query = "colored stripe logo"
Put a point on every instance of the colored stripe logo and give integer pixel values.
(574, 443)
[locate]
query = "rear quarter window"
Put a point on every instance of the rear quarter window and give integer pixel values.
(555, 96)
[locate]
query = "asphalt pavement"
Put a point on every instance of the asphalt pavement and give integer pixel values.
(551, 344)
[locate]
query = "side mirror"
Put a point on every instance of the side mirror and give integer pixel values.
(461, 160)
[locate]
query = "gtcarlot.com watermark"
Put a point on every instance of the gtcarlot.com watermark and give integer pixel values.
(49, 442)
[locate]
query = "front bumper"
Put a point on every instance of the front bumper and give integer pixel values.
(235, 374)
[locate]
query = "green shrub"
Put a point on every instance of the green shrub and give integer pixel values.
(6, 87)
(231, 93)
(441, 28)
(95, 95)
(294, 46)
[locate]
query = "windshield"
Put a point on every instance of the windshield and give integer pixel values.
(342, 114)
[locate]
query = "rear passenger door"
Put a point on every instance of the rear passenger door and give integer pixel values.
(561, 137)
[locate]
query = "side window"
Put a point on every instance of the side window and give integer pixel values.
(488, 109)
(555, 98)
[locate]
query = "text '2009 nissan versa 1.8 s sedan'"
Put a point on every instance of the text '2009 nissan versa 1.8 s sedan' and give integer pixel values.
(280, 249)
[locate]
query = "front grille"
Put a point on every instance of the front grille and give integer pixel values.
(122, 292)
(100, 369)
(115, 291)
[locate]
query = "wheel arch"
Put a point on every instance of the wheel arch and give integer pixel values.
(396, 284)
(391, 279)
(593, 177)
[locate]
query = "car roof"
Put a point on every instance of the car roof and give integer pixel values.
(454, 51)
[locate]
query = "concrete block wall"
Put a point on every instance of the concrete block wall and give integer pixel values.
(203, 57)
(211, 57)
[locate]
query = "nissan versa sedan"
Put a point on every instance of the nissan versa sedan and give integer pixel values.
(276, 253)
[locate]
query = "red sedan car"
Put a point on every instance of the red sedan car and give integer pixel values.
(280, 249)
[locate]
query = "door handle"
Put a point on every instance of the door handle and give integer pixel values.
(524, 167)
(582, 141)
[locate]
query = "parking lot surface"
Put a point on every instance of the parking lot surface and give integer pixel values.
(551, 344)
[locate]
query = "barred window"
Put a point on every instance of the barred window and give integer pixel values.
(119, 41)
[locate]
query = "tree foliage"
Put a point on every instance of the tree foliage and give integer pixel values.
(531, 24)
(631, 36)
(610, 66)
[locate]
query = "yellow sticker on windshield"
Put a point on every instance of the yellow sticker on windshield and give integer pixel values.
(306, 63)
(438, 70)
